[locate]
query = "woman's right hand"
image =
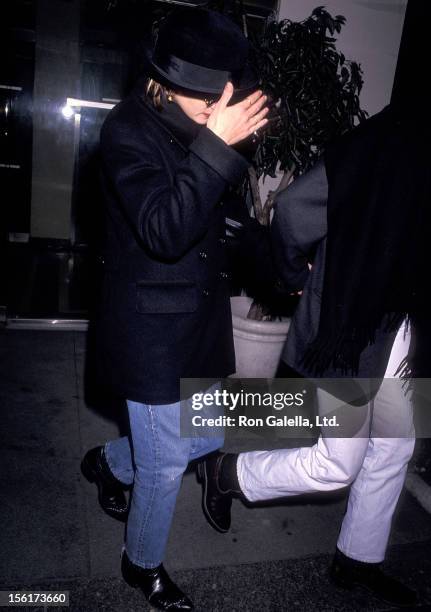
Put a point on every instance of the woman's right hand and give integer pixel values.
(237, 122)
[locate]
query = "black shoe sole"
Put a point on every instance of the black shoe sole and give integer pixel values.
(350, 586)
(130, 582)
(134, 584)
(87, 471)
(91, 476)
(203, 479)
(342, 584)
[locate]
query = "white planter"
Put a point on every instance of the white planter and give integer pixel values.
(258, 344)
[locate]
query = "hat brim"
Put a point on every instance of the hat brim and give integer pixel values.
(197, 79)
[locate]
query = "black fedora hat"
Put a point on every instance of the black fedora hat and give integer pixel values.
(200, 50)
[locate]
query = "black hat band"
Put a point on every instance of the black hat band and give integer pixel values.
(189, 74)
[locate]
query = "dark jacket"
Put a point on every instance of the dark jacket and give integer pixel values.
(165, 305)
(299, 234)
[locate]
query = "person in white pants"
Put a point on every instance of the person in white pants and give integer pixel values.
(363, 225)
(374, 466)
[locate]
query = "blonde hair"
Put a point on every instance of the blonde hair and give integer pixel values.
(155, 92)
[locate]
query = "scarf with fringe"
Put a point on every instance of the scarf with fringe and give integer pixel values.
(379, 232)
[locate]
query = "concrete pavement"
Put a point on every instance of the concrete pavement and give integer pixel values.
(54, 534)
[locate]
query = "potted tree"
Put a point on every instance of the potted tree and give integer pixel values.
(315, 97)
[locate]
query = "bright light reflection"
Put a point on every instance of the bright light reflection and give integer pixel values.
(67, 111)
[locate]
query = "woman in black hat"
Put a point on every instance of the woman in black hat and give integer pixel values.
(167, 163)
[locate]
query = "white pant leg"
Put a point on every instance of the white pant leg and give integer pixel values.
(329, 464)
(374, 494)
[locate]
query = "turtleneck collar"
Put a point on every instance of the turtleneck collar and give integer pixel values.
(175, 120)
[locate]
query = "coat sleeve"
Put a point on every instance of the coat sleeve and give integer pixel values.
(299, 224)
(168, 218)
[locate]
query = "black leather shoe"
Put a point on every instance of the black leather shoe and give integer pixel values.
(216, 501)
(156, 585)
(349, 573)
(110, 490)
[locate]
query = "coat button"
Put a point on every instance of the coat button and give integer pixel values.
(221, 203)
(222, 240)
(205, 293)
(203, 254)
(224, 275)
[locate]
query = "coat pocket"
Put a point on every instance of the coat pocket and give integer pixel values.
(166, 297)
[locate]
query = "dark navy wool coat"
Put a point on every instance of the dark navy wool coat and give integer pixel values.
(165, 310)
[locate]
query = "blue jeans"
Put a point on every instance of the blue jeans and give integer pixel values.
(154, 465)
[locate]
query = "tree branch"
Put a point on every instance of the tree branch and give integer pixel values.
(257, 311)
(255, 194)
(266, 210)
